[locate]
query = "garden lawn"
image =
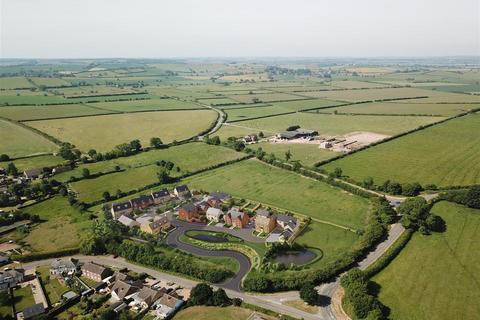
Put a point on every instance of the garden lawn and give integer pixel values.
(330, 124)
(445, 154)
(64, 226)
(17, 141)
(23, 298)
(54, 289)
(43, 112)
(437, 276)
(252, 179)
(103, 133)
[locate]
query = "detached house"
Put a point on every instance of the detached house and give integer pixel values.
(10, 278)
(265, 221)
(126, 221)
(60, 267)
(251, 138)
(156, 224)
(142, 202)
(95, 272)
(33, 174)
(236, 218)
(123, 290)
(119, 209)
(167, 305)
(147, 296)
(161, 197)
(182, 192)
(214, 214)
(189, 212)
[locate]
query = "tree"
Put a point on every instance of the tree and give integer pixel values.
(288, 155)
(220, 298)
(415, 212)
(92, 153)
(68, 152)
(85, 173)
(261, 134)
(201, 294)
(156, 142)
(368, 183)
(473, 197)
(106, 196)
(136, 145)
(411, 189)
(4, 157)
(309, 294)
(338, 172)
(215, 140)
(163, 176)
(12, 169)
(260, 154)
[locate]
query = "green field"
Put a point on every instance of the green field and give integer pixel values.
(246, 113)
(218, 101)
(217, 313)
(23, 298)
(252, 179)
(17, 141)
(141, 170)
(405, 108)
(43, 112)
(332, 241)
(14, 83)
(308, 154)
(103, 133)
(35, 162)
(50, 82)
(53, 288)
(145, 105)
(329, 124)
(64, 226)
(446, 154)
(264, 97)
(437, 276)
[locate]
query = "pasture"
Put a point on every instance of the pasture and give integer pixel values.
(14, 83)
(35, 162)
(352, 84)
(50, 82)
(18, 141)
(445, 154)
(218, 101)
(63, 226)
(145, 105)
(252, 179)
(264, 97)
(104, 132)
(220, 313)
(140, 169)
(330, 124)
(405, 108)
(437, 276)
(90, 91)
(23, 113)
(250, 112)
(307, 154)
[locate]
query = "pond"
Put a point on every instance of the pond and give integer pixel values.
(296, 257)
(209, 238)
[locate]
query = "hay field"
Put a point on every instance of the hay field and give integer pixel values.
(446, 154)
(145, 105)
(14, 83)
(21, 113)
(264, 97)
(104, 132)
(405, 108)
(50, 82)
(352, 84)
(437, 276)
(17, 141)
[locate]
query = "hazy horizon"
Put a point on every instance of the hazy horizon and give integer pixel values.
(188, 29)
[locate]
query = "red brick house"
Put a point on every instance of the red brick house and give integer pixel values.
(236, 218)
(189, 212)
(142, 202)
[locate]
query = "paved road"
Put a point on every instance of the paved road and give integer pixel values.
(234, 283)
(245, 234)
(222, 116)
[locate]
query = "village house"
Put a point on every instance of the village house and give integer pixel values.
(161, 197)
(33, 174)
(214, 214)
(167, 305)
(4, 258)
(121, 290)
(155, 224)
(60, 169)
(119, 209)
(147, 296)
(202, 206)
(95, 272)
(236, 218)
(265, 221)
(142, 202)
(287, 222)
(189, 212)
(60, 267)
(250, 138)
(10, 278)
(127, 221)
(182, 192)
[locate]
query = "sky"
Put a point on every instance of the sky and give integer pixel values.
(238, 28)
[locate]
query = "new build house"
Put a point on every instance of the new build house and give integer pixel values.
(161, 197)
(265, 221)
(189, 212)
(236, 218)
(119, 209)
(95, 271)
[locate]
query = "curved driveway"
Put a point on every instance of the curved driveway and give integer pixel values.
(234, 283)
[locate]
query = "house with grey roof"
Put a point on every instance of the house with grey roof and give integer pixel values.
(214, 214)
(161, 196)
(182, 192)
(119, 209)
(60, 267)
(121, 290)
(32, 311)
(10, 278)
(95, 271)
(167, 305)
(147, 296)
(127, 221)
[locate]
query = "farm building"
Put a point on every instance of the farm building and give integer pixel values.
(33, 174)
(296, 134)
(251, 138)
(126, 221)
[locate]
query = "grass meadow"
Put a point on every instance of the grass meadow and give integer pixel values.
(145, 105)
(17, 141)
(103, 133)
(35, 162)
(220, 313)
(14, 83)
(21, 113)
(437, 276)
(252, 179)
(446, 155)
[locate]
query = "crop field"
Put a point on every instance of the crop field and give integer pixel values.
(103, 133)
(252, 179)
(14, 83)
(265, 97)
(35, 162)
(64, 226)
(437, 276)
(145, 105)
(405, 108)
(141, 170)
(330, 124)
(307, 154)
(444, 155)
(17, 141)
(21, 113)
